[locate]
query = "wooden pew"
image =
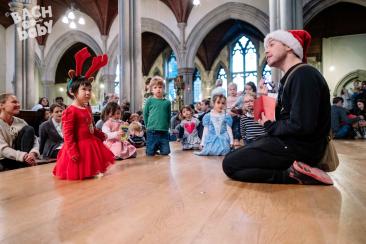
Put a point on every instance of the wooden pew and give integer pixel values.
(29, 116)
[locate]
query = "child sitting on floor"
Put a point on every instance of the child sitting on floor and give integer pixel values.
(116, 136)
(136, 134)
(249, 128)
(190, 139)
(217, 137)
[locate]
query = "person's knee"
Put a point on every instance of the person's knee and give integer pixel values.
(150, 151)
(165, 149)
(28, 130)
(227, 166)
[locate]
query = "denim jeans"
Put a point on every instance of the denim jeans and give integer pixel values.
(236, 128)
(342, 132)
(157, 140)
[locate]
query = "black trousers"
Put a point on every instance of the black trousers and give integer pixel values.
(54, 153)
(266, 160)
(23, 142)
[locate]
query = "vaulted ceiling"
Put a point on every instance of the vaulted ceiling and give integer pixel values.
(339, 19)
(220, 36)
(5, 20)
(153, 45)
(67, 62)
(180, 8)
(103, 12)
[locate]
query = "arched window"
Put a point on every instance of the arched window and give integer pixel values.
(221, 74)
(266, 73)
(197, 95)
(244, 62)
(171, 72)
(267, 76)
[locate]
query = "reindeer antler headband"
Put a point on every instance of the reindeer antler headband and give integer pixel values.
(80, 58)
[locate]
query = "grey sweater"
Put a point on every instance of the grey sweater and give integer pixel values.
(8, 134)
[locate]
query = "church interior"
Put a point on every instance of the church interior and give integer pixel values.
(191, 44)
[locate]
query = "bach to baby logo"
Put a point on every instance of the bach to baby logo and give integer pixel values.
(31, 23)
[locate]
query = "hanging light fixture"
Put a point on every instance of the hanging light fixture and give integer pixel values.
(72, 25)
(70, 17)
(65, 20)
(81, 21)
(196, 2)
(71, 14)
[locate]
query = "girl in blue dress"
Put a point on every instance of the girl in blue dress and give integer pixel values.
(217, 138)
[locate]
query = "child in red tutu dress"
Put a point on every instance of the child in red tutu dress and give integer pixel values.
(83, 154)
(117, 139)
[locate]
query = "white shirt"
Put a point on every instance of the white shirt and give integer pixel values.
(59, 130)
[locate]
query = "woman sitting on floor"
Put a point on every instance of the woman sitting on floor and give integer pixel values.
(18, 144)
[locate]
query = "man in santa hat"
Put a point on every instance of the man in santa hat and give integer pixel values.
(297, 140)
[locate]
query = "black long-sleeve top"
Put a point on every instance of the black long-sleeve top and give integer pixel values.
(303, 113)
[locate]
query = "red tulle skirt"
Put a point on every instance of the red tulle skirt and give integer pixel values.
(94, 158)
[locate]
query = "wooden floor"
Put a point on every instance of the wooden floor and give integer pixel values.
(183, 198)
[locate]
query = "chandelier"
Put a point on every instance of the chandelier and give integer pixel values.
(196, 2)
(71, 16)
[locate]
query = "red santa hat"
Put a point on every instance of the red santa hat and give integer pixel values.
(297, 40)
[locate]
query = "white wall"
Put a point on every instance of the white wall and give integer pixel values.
(113, 32)
(155, 9)
(59, 29)
(3, 59)
(346, 54)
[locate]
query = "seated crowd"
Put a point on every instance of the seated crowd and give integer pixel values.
(348, 113)
(214, 126)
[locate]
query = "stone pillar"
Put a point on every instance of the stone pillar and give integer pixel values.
(49, 89)
(130, 52)
(274, 24)
(187, 74)
(18, 78)
(291, 14)
(104, 42)
(108, 81)
(182, 43)
(299, 14)
(274, 20)
(29, 52)
(284, 14)
(24, 56)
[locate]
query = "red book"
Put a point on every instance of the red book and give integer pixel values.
(266, 105)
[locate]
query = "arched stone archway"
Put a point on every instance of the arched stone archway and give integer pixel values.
(158, 28)
(147, 25)
(357, 74)
(232, 10)
(314, 7)
(61, 46)
(217, 66)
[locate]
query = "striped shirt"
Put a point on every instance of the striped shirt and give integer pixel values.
(250, 129)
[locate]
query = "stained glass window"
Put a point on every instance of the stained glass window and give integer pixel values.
(244, 62)
(197, 95)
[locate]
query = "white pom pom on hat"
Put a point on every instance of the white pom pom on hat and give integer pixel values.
(297, 40)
